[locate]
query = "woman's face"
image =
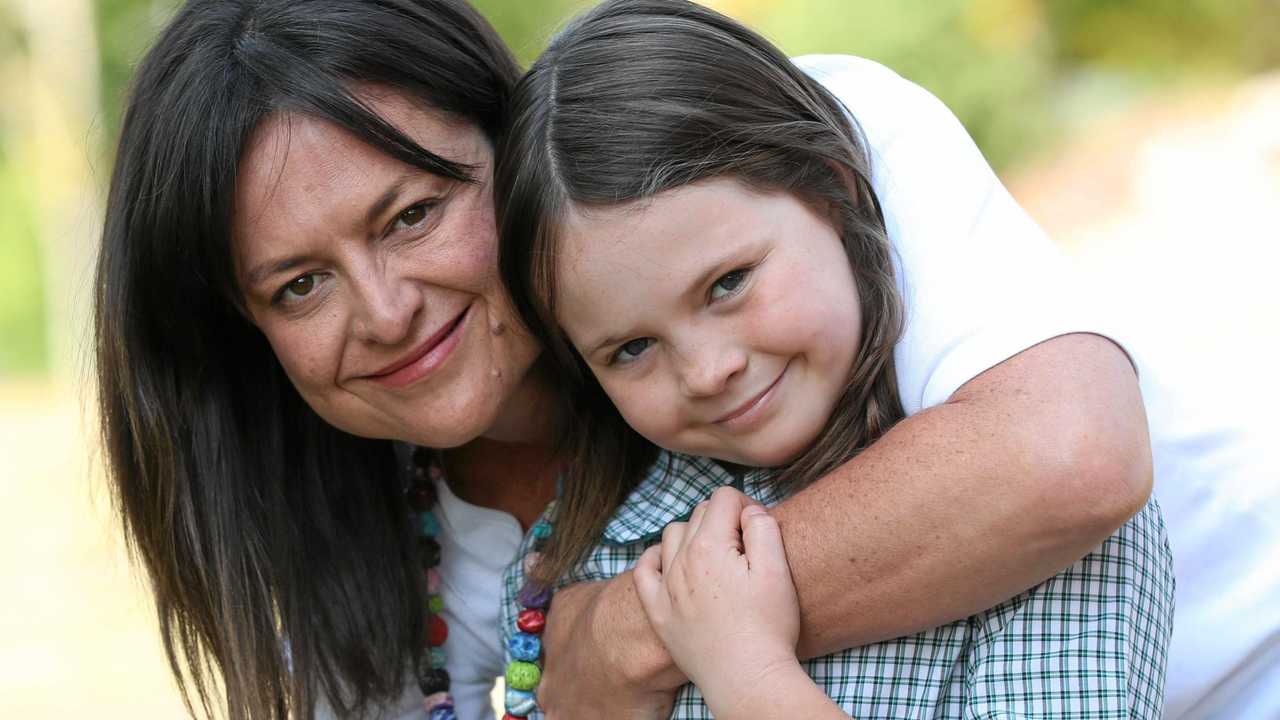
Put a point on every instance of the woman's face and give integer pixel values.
(376, 283)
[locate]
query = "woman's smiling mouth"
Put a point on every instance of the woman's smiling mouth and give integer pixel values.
(424, 358)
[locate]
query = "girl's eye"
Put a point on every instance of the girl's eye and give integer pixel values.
(297, 288)
(631, 349)
(412, 216)
(729, 284)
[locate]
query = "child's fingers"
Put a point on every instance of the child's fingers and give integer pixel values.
(722, 520)
(762, 539)
(695, 519)
(672, 540)
(649, 585)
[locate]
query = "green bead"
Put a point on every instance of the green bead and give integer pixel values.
(428, 526)
(437, 657)
(523, 675)
(435, 604)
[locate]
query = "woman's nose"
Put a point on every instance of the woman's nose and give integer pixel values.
(708, 369)
(385, 309)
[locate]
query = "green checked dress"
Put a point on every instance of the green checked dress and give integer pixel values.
(1090, 642)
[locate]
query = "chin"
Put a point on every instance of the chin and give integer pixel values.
(777, 454)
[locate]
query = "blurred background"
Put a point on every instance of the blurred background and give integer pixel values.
(1143, 134)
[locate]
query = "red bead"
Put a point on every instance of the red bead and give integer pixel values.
(509, 716)
(422, 496)
(437, 631)
(531, 621)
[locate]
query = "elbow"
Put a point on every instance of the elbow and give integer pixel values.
(1118, 483)
(1101, 479)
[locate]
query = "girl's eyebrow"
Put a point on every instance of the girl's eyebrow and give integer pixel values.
(709, 273)
(712, 271)
(603, 344)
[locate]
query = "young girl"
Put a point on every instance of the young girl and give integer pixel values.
(690, 227)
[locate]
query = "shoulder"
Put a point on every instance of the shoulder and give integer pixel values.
(879, 98)
(849, 73)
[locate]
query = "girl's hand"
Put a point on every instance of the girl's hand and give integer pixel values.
(718, 592)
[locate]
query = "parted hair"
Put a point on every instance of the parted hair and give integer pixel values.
(635, 97)
(277, 548)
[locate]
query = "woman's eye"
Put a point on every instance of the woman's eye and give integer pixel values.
(631, 349)
(297, 288)
(729, 284)
(412, 216)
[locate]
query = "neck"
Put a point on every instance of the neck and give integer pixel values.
(513, 468)
(531, 415)
(516, 478)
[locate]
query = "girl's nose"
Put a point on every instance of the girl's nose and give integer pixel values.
(386, 306)
(709, 368)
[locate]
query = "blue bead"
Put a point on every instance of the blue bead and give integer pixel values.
(524, 646)
(438, 657)
(542, 530)
(443, 713)
(428, 526)
(520, 702)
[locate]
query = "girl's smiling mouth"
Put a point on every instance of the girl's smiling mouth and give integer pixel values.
(747, 411)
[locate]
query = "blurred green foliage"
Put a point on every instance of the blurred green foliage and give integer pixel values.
(23, 348)
(1015, 71)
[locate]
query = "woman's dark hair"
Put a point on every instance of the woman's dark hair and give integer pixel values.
(635, 97)
(277, 547)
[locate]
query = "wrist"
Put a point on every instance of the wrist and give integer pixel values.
(634, 649)
(770, 691)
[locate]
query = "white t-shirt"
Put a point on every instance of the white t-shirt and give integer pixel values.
(476, 545)
(981, 282)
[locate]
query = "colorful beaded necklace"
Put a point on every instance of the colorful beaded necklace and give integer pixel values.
(433, 678)
(524, 669)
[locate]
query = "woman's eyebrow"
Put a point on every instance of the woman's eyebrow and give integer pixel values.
(388, 198)
(269, 268)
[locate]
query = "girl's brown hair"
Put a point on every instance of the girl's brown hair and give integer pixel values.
(635, 97)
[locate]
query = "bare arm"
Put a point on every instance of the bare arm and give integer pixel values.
(1021, 472)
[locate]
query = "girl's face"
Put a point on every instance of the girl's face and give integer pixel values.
(376, 282)
(721, 321)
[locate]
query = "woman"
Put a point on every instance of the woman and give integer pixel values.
(298, 267)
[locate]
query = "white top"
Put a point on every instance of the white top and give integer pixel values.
(981, 282)
(476, 545)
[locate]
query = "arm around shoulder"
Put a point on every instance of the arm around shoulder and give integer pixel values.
(1027, 468)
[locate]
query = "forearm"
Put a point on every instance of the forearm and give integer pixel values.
(969, 503)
